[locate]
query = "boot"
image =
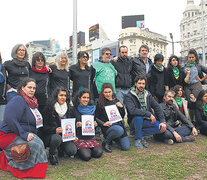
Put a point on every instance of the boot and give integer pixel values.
(106, 147)
(53, 159)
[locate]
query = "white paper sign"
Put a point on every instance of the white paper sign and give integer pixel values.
(88, 125)
(68, 126)
(113, 113)
(38, 117)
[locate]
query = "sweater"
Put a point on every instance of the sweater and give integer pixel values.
(18, 118)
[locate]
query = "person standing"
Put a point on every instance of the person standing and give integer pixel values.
(16, 69)
(141, 107)
(104, 71)
(123, 79)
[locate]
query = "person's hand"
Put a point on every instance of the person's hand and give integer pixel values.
(49, 69)
(152, 118)
(59, 130)
(187, 70)
(119, 105)
(177, 137)
(79, 124)
(192, 97)
(195, 132)
(108, 124)
(95, 123)
(115, 59)
(75, 140)
(8, 86)
(162, 127)
(30, 136)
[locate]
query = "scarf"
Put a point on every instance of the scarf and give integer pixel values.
(205, 110)
(191, 64)
(176, 72)
(43, 70)
(179, 101)
(61, 109)
(32, 102)
(159, 68)
(86, 110)
(19, 63)
(2, 77)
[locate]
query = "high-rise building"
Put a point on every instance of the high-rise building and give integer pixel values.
(191, 28)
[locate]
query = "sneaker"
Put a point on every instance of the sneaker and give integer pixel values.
(169, 141)
(190, 138)
(131, 133)
(144, 143)
(138, 143)
(106, 147)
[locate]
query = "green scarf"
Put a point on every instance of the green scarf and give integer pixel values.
(176, 72)
(205, 110)
(179, 101)
(158, 66)
(191, 64)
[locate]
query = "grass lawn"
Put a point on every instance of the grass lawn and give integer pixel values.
(158, 161)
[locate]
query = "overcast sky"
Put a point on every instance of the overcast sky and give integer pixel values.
(28, 20)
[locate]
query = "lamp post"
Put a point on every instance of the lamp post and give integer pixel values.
(171, 37)
(74, 31)
(203, 34)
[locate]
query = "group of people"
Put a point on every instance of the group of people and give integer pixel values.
(156, 100)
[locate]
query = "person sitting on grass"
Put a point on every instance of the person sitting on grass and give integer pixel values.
(139, 104)
(179, 128)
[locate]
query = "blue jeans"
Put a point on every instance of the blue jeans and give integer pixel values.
(144, 127)
(114, 133)
(2, 109)
(120, 93)
(10, 95)
(182, 131)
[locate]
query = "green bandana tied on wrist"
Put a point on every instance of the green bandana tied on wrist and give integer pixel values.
(179, 101)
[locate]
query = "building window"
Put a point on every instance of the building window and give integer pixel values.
(192, 13)
(188, 34)
(189, 14)
(195, 32)
(183, 27)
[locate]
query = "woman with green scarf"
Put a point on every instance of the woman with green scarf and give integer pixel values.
(201, 112)
(181, 103)
(157, 78)
(175, 75)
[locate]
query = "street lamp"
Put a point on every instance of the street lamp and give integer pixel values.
(171, 37)
(74, 31)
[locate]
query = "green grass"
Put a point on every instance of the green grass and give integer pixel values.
(159, 161)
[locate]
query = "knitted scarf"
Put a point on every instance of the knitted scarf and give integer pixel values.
(159, 68)
(61, 109)
(32, 102)
(43, 70)
(86, 110)
(191, 64)
(205, 110)
(19, 63)
(179, 101)
(176, 72)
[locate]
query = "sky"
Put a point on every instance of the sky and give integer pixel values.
(29, 20)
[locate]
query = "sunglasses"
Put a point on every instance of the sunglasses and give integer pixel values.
(85, 57)
(40, 60)
(108, 54)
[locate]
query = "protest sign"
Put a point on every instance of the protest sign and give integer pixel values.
(68, 126)
(113, 113)
(88, 125)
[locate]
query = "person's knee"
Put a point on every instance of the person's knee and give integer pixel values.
(56, 140)
(97, 152)
(126, 147)
(71, 151)
(138, 119)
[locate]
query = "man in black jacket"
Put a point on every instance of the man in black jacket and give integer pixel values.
(179, 127)
(123, 79)
(139, 103)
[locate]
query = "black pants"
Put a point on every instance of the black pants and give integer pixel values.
(86, 153)
(54, 141)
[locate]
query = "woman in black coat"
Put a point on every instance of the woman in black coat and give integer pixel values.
(58, 108)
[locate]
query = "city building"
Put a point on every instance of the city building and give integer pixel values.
(48, 47)
(191, 28)
(134, 37)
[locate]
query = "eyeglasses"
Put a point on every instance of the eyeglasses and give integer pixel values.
(23, 50)
(85, 57)
(108, 54)
(40, 60)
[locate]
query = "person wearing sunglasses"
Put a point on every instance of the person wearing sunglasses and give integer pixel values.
(104, 71)
(80, 74)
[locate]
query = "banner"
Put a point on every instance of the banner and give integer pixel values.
(88, 125)
(113, 113)
(68, 126)
(38, 117)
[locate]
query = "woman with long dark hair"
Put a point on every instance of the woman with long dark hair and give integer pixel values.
(115, 131)
(175, 75)
(20, 127)
(87, 146)
(201, 112)
(57, 108)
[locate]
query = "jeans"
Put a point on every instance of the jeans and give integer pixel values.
(2, 109)
(120, 93)
(114, 133)
(182, 131)
(10, 95)
(144, 127)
